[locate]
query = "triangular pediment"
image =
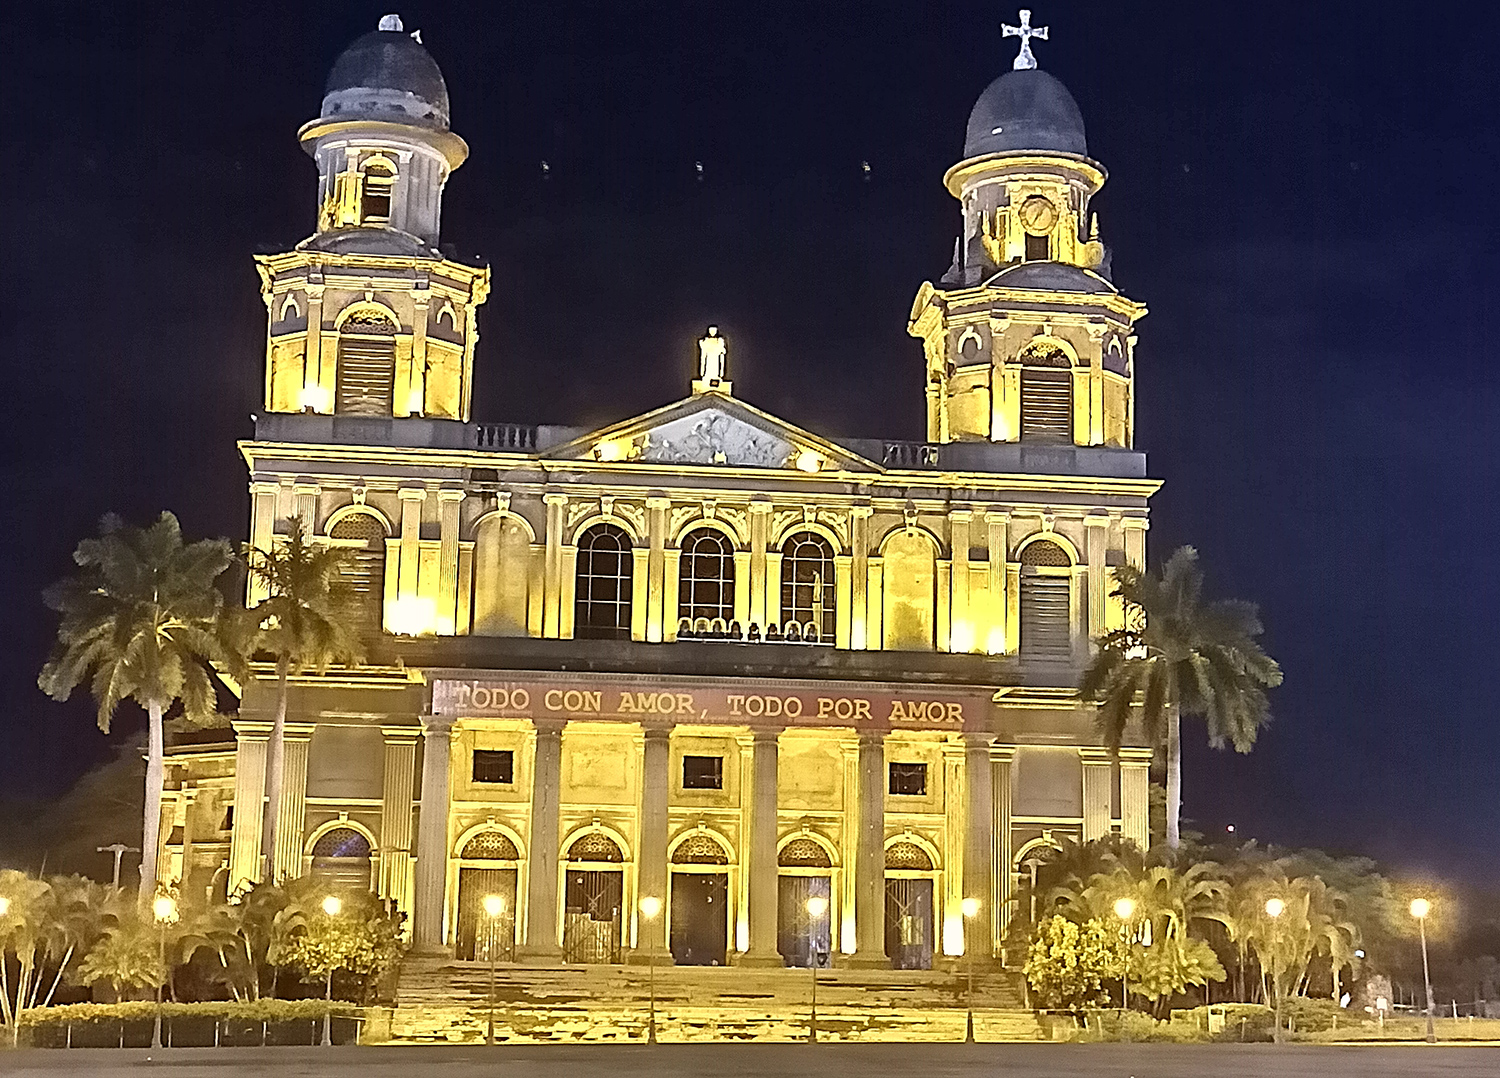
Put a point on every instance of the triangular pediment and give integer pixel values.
(710, 429)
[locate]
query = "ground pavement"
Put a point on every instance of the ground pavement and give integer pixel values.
(772, 1061)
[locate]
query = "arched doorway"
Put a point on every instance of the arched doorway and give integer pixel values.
(700, 902)
(341, 856)
(593, 895)
(805, 872)
(487, 866)
(909, 915)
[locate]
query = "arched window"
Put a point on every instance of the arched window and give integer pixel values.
(705, 579)
(699, 850)
(342, 857)
(595, 846)
(1046, 393)
(364, 536)
(807, 583)
(367, 365)
(1046, 591)
(375, 194)
(803, 853)
(601, 610)
(490, 846)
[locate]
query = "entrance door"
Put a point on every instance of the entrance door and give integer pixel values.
(700, 921)
(802, 939)
(482, 938)
(908, 923)
(591, 917)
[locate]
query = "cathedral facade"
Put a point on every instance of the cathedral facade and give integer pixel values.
(700, 655)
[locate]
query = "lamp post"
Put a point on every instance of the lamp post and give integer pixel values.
(332, 906)
(1125, 911)
(1275, 907)
(970, 907)
(494, 906)
(650, 909)
(164, 910)
(1420, 908)
(817, 906)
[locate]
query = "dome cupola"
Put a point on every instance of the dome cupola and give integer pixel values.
(1025, 111)
(387, 75)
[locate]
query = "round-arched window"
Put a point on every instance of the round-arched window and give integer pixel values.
(804, 853)
(595, 846)
(699, 849)
(490, 846)
(606, 562)
(908, 856)
(705, 578)
(807, 591)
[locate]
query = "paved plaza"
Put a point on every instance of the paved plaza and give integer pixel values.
(776, 1061)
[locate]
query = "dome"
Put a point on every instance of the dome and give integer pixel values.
(1025, 110)
(387, 75)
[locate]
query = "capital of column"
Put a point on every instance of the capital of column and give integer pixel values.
(1096, 520)
(960, 516)
(1002, 754)
(448, 494)
(265, 486)
(657, 501)
(549, 727)
(1093, 754)
(399, 735)
(760, 506)
(554, 498)
(656, 733)
(861, 512)
(412, 494)
(437, 726)
(978, 740)
(1135, 523)
(301, 489)
(1136, 757)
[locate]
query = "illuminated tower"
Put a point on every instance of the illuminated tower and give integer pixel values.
(367, 318)
(1027, 340)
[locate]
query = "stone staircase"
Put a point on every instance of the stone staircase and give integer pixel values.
(441, 1000)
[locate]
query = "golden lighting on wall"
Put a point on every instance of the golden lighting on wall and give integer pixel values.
(809, 461)
(962, 638)
(412, 615)
(609, 452)
(994, 644)
(315, 399)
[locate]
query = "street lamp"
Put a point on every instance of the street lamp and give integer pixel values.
(164, 910)
(332, 906)
(1125, 911)
(1420, 908)
(650, 909)
(970, 907)
(817, 906)
(1275, 907)
(4, 905)
(494, 906)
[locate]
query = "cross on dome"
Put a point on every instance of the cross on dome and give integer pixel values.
(1025, 60)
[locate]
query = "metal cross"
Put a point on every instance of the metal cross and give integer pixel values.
(1025, 61)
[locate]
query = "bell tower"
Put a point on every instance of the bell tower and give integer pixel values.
(1026, 337)
(367, 318)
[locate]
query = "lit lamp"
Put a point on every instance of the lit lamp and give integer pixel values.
(970, 906)
(164, 910)
(1420, 908)
(4, 905)
(650, 910)
(1274, 909)
(332, 906)
(1125, 911)
(817, 908)
(412, 615)
(314, 398)
(494, 906)
(809, 461)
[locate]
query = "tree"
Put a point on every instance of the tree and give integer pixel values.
(306, 620)
(1180, 656)
(127, 956)
(1068, 962)
(142, 620)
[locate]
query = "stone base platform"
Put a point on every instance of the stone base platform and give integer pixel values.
(443, 1001)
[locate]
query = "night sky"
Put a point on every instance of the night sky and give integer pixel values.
(1300, 193)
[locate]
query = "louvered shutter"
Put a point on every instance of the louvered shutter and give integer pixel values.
(365, 572)
(1045, 618)
(366, 376)
(1046, 404)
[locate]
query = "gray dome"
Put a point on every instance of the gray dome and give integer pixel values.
(1025, 110)
(387, 75)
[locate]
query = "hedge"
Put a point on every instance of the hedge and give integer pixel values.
(263, 1010)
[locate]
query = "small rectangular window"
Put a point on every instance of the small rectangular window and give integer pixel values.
(703, 772)
(494, 765)
(909, 779)
(1038, 248)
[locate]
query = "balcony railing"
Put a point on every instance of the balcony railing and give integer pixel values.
(505, 437)
(910, 455)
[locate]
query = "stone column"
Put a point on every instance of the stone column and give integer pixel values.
(395, 814)
(432, 836)
(449, 504)
(979, 849)
(291, 817)
(962, 635)
(264, 500)
(1135, 795)
(651, 868)
(542, 942)
(1135, 540)
(552, 566)
(306, 495)
(998, 524)
(312, 362)
(1098, 774)
(249, 806)
(411, 541)
(869, 855)
(1096, 527)
(416, 395)
(656, 534)
(1001, 758)
(761, 865)
(859, 576)
(760, 528)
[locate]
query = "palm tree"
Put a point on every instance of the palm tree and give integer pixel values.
(308, 619)
(141, 620)
(1180, 655)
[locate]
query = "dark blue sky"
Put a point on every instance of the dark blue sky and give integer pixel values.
(1301, 194)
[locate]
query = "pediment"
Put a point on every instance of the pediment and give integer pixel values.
(710, 429)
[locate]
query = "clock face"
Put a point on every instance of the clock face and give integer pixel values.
(1038, 215)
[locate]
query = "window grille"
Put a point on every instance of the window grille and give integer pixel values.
(908, 856)
(807, 590)
(341, 842)
(595, 846)
(601, 610)
(699, 849)
(705, 583)
(490, 846)
(804, 853)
